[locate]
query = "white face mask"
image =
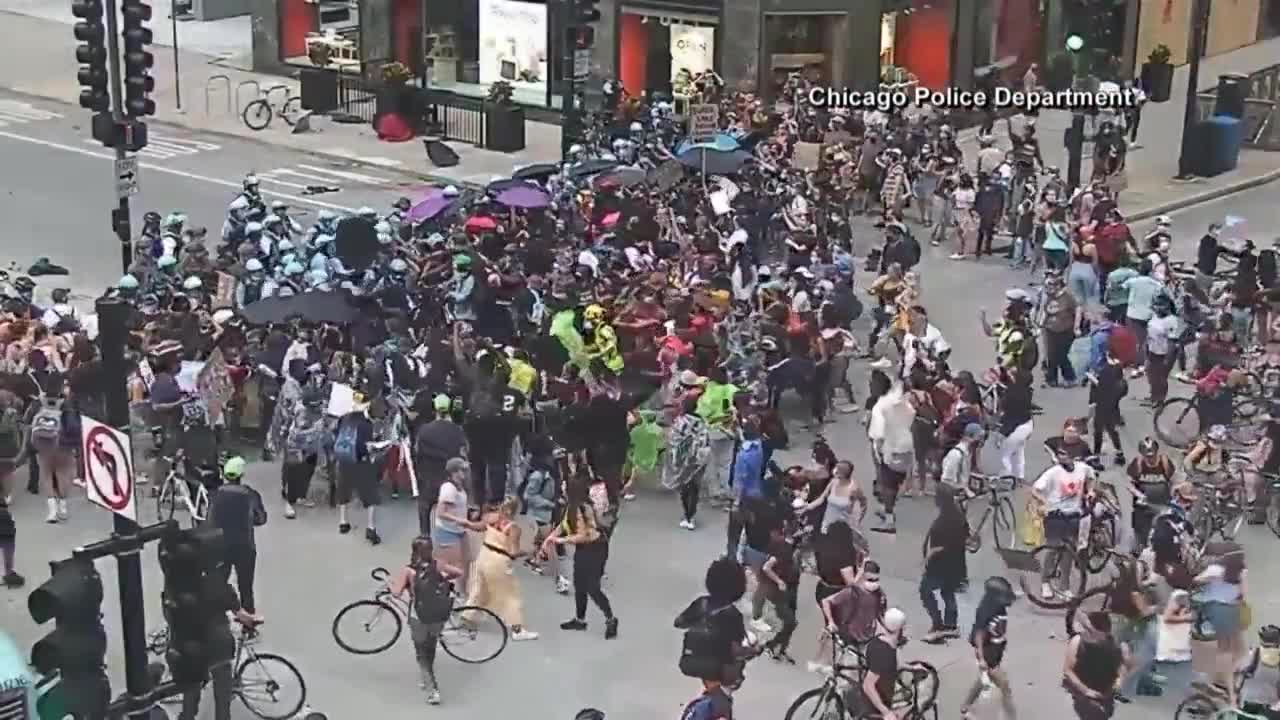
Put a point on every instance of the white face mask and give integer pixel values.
(1164, 246)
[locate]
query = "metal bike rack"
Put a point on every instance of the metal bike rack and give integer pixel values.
(210, 86)
(257, 93)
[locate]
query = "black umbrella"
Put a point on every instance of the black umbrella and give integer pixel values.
(592, 167)
(317, 307)
(716, 162)
(356, 242)
(498, 186)
(536, 171)
(750, 140)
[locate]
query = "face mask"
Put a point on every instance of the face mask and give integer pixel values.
(1164, 246)
(871, 586)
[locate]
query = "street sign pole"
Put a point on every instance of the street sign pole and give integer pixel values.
(113, 315)
(119, 216)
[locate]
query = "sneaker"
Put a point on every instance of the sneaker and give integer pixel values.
(760, 625)
(563, 586)
(958, 256)
(937, 636)
(610, 628)
(373, 537)
(13, 580)
(629, 496)
(289, 512)
(524, 635)
(433, 697)
(574, 624)
(781, 656)
(344, 528)
(62, 510)
(52, 517)
(687, 524)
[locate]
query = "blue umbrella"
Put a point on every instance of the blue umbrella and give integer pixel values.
(722, 142)
(715, 162)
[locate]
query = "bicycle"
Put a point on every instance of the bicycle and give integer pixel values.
(1221, 513)
(1099, 598)
(258, 114)
(1090, 557)
(248, 689)
(1178, 424)
(1208, 705)
(846, 681)
(1004, 522)
(175, 489)
(466, 625)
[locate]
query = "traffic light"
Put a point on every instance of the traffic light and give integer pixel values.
(192, 598)
(77, 647)
(584, 38)
(91, 53)
(586, 12)
(138, 83)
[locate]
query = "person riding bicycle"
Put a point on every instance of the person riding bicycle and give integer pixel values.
(881, 676)
(1150, 477)
(1206, 460)
(852, 614)
(1061, 489)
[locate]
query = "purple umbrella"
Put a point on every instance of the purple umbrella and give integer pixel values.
(524, 197)
(430, 206)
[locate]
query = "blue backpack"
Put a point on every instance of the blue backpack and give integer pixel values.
(700, 708)
(345, 446)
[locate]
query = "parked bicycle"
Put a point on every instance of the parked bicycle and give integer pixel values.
(471, 634)
(176, 491)
(999, 510)
(1178, 423)
(840, 695)
(257, 679)
(258, 114)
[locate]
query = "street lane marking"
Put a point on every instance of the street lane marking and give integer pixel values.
(161, 147)
(348, 175)
(15, 111)
(172, 171)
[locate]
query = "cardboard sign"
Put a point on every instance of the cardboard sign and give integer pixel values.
(808, 155)
(342, 400)
(704, 122)
(225, 296)
(214, 385)
(719, 202)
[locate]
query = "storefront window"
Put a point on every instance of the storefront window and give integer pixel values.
(807, 44)
(663, 53)
(323, 34)
(916, 42)
(1009, 39)
(1268, 20)
(471, 44)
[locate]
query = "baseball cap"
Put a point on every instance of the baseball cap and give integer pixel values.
(894, 620)
(442, 403)
(973, 430)
(234, 467)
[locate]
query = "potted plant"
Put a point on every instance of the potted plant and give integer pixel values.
(1157, 74)
(504, 120)
(394, 94)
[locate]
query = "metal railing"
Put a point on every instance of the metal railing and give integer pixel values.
(454, 117)
(357, 96)
(1261, 116)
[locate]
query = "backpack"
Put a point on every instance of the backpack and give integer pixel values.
(345, 446)
(303, 440)
(46, 426)
(701, 649)
(432, 595)
(700, 708)
(10, 433)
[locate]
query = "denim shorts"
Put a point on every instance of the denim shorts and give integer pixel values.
(1224, 618)
(441, 537)
(753, 558)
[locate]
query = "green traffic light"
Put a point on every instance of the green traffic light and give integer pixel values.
(1075, 43)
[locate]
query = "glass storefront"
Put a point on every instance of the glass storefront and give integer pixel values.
(1010, 38)
(660, 53)
(813, 45)
(916, 42)
(470, 45)
(320, 34)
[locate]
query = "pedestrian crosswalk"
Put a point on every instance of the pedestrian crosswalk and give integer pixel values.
(16, 112)
(166, 147)
(300, 177)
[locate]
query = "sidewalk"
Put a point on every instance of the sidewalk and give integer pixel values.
(1152, 191)
(43, 64)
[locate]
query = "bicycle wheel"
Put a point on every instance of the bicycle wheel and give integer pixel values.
(1004, 525)
(361, 619)
(1095, 599)
(1197, 707)
(473, 634)
(1273, 515)
(1245, 428)
(826, 705)
(292, 108)
(1177, 422)
(1062, 586)
(973, 543)
(200, 503)
(166, 503)
(916, 687)
(270, 686)
(257, 114)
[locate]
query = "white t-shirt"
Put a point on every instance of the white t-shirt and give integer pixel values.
(1161, 332)
(454, 499)
(963, 199)
(1063, 490)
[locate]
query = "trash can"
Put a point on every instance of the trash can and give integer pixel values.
(1218, 140)
(1233, 88)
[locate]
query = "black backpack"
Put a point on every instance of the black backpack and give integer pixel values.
(702, 647)
(432, 595)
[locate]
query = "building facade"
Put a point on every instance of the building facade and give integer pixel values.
(654, 45)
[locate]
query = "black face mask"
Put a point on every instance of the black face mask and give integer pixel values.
(1067, 464)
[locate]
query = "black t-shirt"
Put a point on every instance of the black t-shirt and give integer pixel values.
(728, 626)
(992, 621)
(785, 565)
(882, 659)
(761, 520)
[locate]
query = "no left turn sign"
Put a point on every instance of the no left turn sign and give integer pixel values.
(108, 467)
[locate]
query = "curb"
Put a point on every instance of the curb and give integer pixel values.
(172, 122)
(1203, 197)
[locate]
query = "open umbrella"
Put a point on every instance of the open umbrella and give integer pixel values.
(594, 166)
(667, 175)
(498, 186)
(317, 307)
(480, 223)
(722, 142)
(536, 171)
(524, 197)
(714, 162)
(430, 206)
(356, 242)
(622, 177)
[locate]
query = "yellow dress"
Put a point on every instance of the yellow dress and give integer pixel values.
(493, 585)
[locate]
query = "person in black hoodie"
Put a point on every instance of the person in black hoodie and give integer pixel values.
(716, 645)
(989, 638)
(945, 569)
(1109, 388)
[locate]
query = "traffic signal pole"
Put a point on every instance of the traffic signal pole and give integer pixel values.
(112, 333)
(120, 216)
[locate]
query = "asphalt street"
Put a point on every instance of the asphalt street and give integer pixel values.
(307, 571)
(61, 179)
